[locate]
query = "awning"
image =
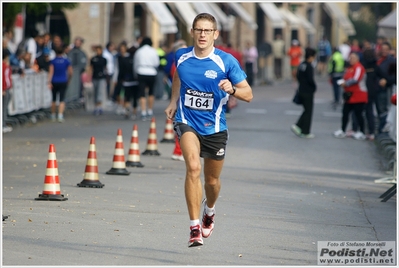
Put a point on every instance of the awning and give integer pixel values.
(226, 21)
(387, 26)
(336, 13)
(272, 12)
(163, 16)
(186, 11)
(310, 29)
(244, 15)
(293, 21)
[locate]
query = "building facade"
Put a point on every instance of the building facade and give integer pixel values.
(257, 22)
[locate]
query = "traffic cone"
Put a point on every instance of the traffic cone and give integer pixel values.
(133, 159)
(51, 189)
(152, 144)
(177, 152)
(169, 134)
(90, 178)
(119, 165)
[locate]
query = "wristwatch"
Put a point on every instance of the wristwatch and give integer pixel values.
(234, 91)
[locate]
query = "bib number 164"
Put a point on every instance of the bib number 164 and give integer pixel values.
(198, 102)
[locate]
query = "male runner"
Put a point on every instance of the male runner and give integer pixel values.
(202, 84)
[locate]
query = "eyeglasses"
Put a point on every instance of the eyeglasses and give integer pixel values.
(206, 31)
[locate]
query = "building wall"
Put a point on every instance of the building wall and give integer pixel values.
(91, 20)
(88, 22)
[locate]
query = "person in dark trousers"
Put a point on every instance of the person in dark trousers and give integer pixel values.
(355, 97)
(336, 68)
(307, 88)
(78, 59)
(369, 63)
(59, 75)
(98, 68)
(384, 81)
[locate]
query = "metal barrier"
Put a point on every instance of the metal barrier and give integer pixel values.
(29, 93)
(31, 98)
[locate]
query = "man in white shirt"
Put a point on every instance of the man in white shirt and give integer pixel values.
(31, 46)
(145, 66)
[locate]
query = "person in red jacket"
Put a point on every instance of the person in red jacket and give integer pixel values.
(355, 96)
(7, 85)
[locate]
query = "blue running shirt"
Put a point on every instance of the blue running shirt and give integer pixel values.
(202, 104)
(61, 65)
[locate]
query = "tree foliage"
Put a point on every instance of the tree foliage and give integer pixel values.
(11, 9)
(368, 29)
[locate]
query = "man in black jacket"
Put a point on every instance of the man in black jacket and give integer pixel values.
(307, 88)
(385, 82)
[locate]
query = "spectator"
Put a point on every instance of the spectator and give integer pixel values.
(295, 53)
(7, 85)
(25, 62)
(385, 81)
(356, 47)
(307, 88)
(98, 70)
(345, 50)
(13, 60)
(11, 45)
(55, 42)
(118, 80)
(323, 53)
(370, 64)
(31, 46)
(47, 41)
(250, 55)
(380, 40)
(278, 48)
(161, 75)
(355, 96)
(78, 60)
(59, 75)
(43, 61)
(127, 80)
(108, 55)
(336, 67)
(146, 62)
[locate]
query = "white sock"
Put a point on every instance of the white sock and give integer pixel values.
(149, 112)
(209, 211)
(60, 115)
(194, 222)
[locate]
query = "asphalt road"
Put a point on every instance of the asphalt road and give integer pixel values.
(280, 194)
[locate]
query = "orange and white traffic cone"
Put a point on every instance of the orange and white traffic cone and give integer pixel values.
(90, 178)
(133, 159)
(119, 165)
(152, 144)
(51, 189)
(177, 153)
(169, 133)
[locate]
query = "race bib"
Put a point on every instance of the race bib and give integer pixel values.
(199, 100)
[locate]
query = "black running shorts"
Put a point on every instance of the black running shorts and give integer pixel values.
(212, 146)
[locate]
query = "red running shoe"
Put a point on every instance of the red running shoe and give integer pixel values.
(195, 236)
(208, 222)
